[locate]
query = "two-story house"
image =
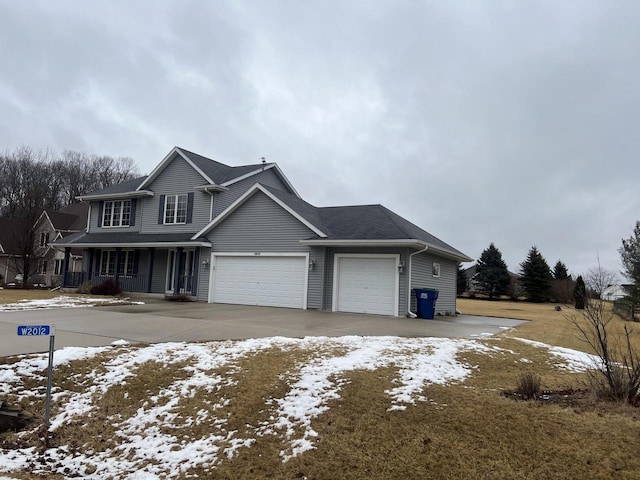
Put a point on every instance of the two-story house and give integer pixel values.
(52, 226)
(243, 235)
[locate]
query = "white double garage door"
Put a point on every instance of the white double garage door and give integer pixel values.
(361, 283)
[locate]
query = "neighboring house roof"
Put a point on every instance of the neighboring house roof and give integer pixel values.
(71, 218)
(347, 225)
(8, 240)
(121, 239)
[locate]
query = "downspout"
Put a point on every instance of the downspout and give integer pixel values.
(409, 312)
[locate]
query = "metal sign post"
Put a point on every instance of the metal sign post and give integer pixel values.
(36, 331)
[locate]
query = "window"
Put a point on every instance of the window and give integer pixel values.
(116, 213)
(436, 269)
(175, 209)
(57, 266)
(44, 239)
(108, 262)
(42, 267)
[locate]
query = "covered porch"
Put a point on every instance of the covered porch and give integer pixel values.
(161, 267)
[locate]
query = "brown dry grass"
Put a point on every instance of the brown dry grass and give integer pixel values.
(465, 431)
(13, 295)
(545, 324)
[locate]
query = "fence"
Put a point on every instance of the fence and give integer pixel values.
(627, 309)
(128, 283)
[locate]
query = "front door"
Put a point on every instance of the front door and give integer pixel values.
(180, 272)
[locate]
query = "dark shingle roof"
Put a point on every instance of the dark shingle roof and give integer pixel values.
(219, 172)
(124, 187)
(360, 222)
(72, 217)
(125, 238)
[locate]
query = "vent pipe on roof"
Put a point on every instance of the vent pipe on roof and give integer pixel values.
(264, 161)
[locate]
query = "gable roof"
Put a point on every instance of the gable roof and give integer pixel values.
(347, 225)
(212, 171)
(71, 218)
(269, 192)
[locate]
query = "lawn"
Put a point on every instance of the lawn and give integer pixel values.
(319, 408)
(13, 295)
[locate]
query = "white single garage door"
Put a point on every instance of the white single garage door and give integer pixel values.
(366, 284)
(271, 281)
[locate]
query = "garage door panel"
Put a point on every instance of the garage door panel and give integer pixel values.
(268, 281)
(367, 285)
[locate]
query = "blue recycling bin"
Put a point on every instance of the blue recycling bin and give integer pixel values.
(426, 302)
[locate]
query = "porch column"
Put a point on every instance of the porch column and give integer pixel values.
(65, 265)
(176, 272)
(195, 272)
(116, 269)
(151, 251)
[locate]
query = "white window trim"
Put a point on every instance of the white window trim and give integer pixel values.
(113, 204)
(435, 270)
(129, 260)
(175, 212)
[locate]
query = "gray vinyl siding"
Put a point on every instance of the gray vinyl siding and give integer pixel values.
(159, 271)
(177, 178)
(269, 178)
(329, 263)
(422, 277)
(95, 220)
(260, 225)
(204, 274)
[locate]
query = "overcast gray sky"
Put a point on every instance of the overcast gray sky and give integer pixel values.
(513, 122)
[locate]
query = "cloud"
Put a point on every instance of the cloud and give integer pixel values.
(512, 123)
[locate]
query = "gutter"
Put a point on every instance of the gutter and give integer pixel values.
(410, 314)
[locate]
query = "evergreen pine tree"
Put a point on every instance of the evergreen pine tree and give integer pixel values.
(580, 293)
(461, 285)
(536, 277)
(630, 255)
(492, 276)
(562, 284)
(560, 271)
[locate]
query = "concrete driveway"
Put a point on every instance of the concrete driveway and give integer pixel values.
(163, 321)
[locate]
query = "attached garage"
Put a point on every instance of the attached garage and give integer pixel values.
(366, 284)
(276, 280)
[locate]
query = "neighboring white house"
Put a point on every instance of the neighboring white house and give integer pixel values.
(614, 292)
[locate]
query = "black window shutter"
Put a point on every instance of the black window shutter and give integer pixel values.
(100, 207)
(132, 218)
(161, 210)
(190, 207)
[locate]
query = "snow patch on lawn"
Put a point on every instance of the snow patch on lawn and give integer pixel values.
(572, 360)
(159, 441)
(64, 301)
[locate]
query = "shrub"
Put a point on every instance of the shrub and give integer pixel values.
(85, 287)
(528, 385)
(107, 287)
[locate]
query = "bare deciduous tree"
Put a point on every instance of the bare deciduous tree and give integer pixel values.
(617, 372)
(597, 279)
(36, 180)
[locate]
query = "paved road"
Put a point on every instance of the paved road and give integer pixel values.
(163, 321)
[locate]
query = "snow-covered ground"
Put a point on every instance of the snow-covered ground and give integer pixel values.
(156, 441)
(63, 301)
